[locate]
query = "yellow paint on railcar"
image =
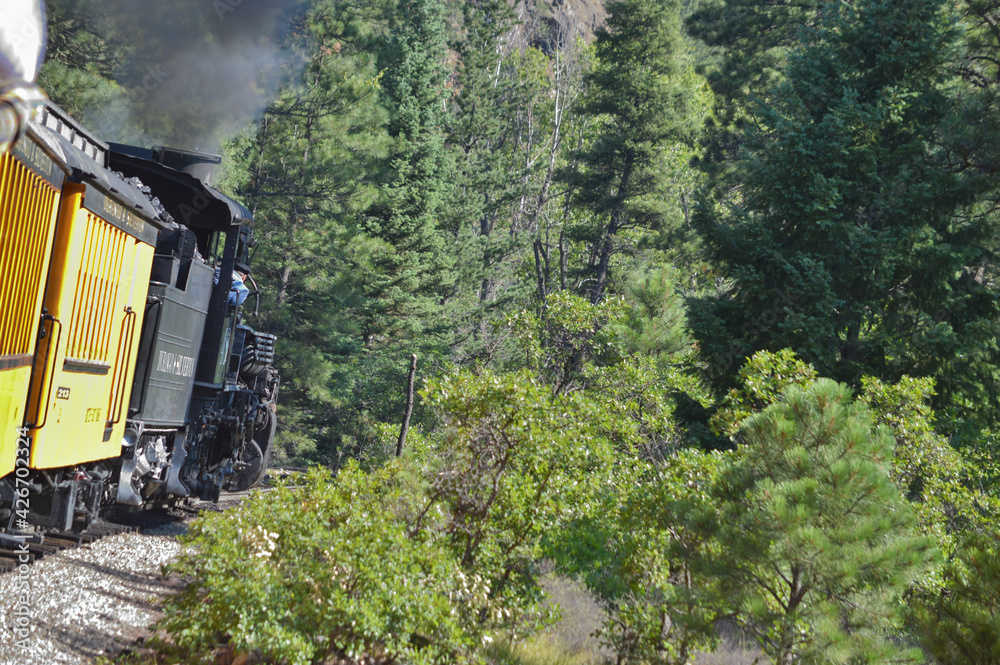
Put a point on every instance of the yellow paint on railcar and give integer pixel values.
(96, 298)
(28, 211)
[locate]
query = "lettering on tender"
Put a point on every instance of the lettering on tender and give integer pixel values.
(175, 363)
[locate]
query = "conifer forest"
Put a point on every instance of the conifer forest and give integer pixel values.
(701, 297)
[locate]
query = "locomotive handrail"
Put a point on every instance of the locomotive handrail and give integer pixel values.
(119, 382)
(50, 374)
(152, 303)
(255, 292)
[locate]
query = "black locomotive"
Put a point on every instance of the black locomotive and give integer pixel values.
(205, 387)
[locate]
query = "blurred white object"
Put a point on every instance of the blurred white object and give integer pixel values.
(22, 39)
(22, 48)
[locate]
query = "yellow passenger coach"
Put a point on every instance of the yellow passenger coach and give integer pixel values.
(30, 182)
(77, 252)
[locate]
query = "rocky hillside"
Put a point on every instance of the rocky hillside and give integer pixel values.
(584, 15)
(541, 20)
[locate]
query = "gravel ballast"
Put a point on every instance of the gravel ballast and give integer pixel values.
(83, 603)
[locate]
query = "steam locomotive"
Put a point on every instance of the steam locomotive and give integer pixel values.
(128, 375)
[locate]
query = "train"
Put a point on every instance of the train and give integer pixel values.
(129, 375)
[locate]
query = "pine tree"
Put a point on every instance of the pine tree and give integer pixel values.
(83, 54)
(838, 229)
(749, 41)
(819, 546)
(974, 142)
(411, 265)
(306, 173)
(481, 131)
(639, 106)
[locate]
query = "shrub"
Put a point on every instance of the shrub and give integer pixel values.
(515, 460)
(325, 568)
(962, 623)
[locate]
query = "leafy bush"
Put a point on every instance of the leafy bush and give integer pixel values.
(667, 533)
(962, 624)
(641, 552)
(325, 568)
(514, 462)
(941, 486)
(424, 559)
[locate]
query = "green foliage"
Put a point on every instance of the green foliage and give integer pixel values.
(481, 129)
(650, 565)
(941, 486)
(570, 336)
(981, 449)
(819, 544)
(583, 416)
(451, 546)
(762, 381)
(801, 533)
(369, 398)
(575, 346)
(634, 541)
(655, 318)
(961, 624)
(514, 462)
(972, 129)
(82, 37)
(84, 51)
(84, 93)
(750, 41)
(410, 268)
(306, 172)
(838, 230)
(325, 568)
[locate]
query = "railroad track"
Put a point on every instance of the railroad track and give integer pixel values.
(26, 548)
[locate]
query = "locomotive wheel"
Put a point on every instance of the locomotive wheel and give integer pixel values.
(251, 473)
(257, 455)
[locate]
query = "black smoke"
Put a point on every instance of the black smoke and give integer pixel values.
(201, 69)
